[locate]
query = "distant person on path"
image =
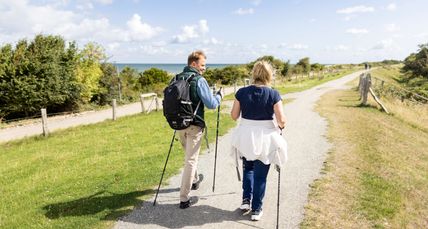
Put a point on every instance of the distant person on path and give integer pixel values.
(257, 139)
(191, 137)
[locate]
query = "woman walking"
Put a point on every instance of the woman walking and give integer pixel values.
(257, 139)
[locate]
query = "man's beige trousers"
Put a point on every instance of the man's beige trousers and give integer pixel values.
(190, 139)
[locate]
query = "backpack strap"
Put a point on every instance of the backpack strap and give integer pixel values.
(193, 75)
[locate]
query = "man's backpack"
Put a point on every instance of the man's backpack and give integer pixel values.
(177, 106)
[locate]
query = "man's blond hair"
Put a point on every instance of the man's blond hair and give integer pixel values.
(262, 72)
(195, 56)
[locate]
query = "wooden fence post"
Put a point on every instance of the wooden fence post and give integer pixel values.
(246, 82)
(114, 109)
(157, 103)
(45, 122)
(360, 83)
(366, 86)
(143, 109)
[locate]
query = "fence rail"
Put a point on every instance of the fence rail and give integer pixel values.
(381, 85)
(364, 87)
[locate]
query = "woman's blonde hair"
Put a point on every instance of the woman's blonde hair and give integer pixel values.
(262, 72)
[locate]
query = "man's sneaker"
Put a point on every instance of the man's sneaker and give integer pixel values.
(193, 200)
(245, 206)
(256, 215)
(195, 186)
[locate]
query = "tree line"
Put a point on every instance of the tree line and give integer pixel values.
(48, 72)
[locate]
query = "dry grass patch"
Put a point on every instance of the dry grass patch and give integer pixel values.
(376, 175)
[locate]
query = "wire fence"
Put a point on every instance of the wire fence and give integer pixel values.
(384, 88)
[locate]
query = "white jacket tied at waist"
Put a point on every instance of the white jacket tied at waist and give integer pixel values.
(259, 140)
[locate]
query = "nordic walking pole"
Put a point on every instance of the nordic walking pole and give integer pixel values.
(216, 144)
(277, 201)
(236, 165)
(166, 162)
(279, 190)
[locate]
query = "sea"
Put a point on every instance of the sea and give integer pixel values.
(171, 68)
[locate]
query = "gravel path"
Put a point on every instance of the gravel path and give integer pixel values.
(67, 121)
(308, 147)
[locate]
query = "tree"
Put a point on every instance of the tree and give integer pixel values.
(129, 84)
(416, 64)
(317, 67)
(227, 75)
(37, 74)
(153, 76)
(88, 72)
(108, 85)
(285, 68)
(305, 64)
(276, 63)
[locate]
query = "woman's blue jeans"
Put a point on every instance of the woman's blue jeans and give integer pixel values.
(254, 182)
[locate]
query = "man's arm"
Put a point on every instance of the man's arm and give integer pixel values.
(204, 92)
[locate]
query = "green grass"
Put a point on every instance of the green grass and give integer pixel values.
(301, 85)
(86, 177)
(285, 86)
(380, 198)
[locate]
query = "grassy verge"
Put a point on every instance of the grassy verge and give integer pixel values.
(301, 85)
(376, 174)
(285, 86)
(412, 113)
(86, 177)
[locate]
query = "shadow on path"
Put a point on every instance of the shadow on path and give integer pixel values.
(169, 215)
(99, 202)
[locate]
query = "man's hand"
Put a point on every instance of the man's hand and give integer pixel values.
(220, 93)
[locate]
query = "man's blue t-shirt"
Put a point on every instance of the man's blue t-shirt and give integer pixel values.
(257, 102)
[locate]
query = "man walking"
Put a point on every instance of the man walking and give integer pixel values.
(191, 137)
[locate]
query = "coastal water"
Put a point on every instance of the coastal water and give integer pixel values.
(171, 68)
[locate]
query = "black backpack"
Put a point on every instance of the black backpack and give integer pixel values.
(177, 106)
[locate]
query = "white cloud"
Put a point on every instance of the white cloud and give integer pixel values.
(70, 25)
(392, 28)
(387, 44)
(349, 17)
(85, 6)
(282, 45)
(140, 31)
(340, 48)
(422, 35)
(356, 9)
(212, 41)
(113, 46)
(242, 11)
(203, 26)
(357, 31)
(153, 50)
(256, 2)
(191, 32)
(391, 7)
(298, 47)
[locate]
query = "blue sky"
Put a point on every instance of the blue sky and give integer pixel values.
(234, 31)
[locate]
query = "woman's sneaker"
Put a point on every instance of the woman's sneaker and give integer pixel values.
(256, 215)
(245, 206)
